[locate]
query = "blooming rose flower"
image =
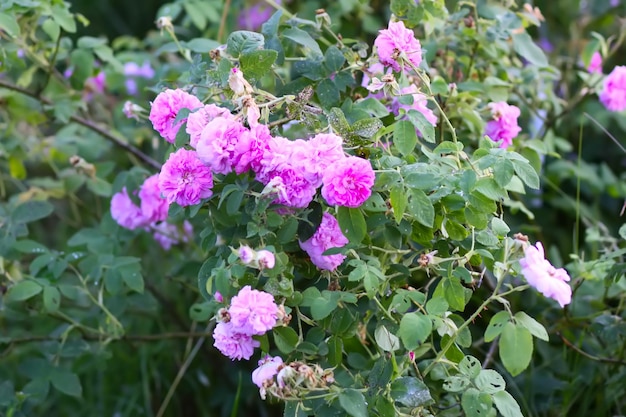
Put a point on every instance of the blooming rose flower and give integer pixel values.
(296, 190)
(153, 206)
(547, 279)
(184, 179)
(197, 121)
(595, 65)
(503, 128)
(253, 312)
(328, 235)
(167, 234)
(267, 370)
(165, 108)
(613, 94)
(250, 148)
(314, 156)
(276, 156)
(126, 213)
(398, 41)
(217, 144)
(232, 343)
(348, 182)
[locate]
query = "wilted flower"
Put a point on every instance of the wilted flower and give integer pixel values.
(168, 234)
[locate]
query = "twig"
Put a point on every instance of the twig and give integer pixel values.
(90, 125)
(220, 32)
(588, 355)
(490, 353)
(181, 372)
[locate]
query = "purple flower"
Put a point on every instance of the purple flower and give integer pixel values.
(503, 127)
(265, 259)
(540, 274)
(153, 206)
(253, 312)
(167, 234)
(297, 191)
(232, 343)
(348, 182)
(314, 156)
(197, 121)
(132, 71)
(276, 155)
(217, 144)
(184, 179)
(253, 17)
(595, 64)
(398, 43)
(613, 94)
(165, 108)
(328, 235)
(250, 148)
(246, 254)
(267, 370)
(126, 213)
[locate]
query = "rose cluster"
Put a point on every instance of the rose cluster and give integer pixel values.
(251, 313)
(283, 380)
(150, 214)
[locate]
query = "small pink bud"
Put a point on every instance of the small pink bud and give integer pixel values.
(265, 259)
(218, 297)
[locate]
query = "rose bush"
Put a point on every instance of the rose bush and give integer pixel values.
(345, 222)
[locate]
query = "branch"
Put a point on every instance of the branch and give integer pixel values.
(588, 355)
(118, 141)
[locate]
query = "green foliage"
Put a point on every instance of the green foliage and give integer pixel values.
(432, 271)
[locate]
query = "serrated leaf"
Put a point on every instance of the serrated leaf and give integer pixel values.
(516, 348)
(334, 59)
(244, 41)
(327, 93)
(256, 64)
(534, 327)
(63, 17)
(404, 137)
(410, 392)
(527, 174)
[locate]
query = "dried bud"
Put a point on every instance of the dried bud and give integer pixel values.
(164, 22)
(322, 18)
(83, 166)
(469, 22)
(238, 83)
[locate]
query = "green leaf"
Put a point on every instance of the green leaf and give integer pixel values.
(453, 292)
(386, 340)
(303, 38)
(489, 381)
(99, 187)
(516, 348)
(52, 29)
(353, 402)
(470, 366)
(422, 124)
(202, 45)
(457, 383)
(415, 328)
(322, 306)
(503, 172)
(399, 200)
(194, 11)
(9, 25)
(286, 339)
(526, 173)
(67, 382)
(534, 327)
(367, 128)
(23, 290)
(256, 64)
(51, 298)
(133, 279)
(327, 93)
(506, 404)
(334, 59)
(352, 224)
(410, 392)
(475, 403)
(496, 324)
(421, 208)
(524, 45)
(243, 41)
(404, 137)
(31, 211)
(499, 227)
(63, 17)
(335, 351)
(29, 246)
